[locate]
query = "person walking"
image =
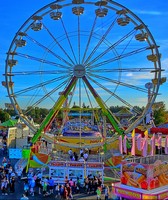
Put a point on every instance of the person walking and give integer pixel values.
(32, 185)
(66, 193)
(81, 152)
(39, 185)
(51, 185)
(19, 173)
(12, 184)
(62, 191)
(106, 192)
(4, 186)
(26, 187)
(72, 185)
(98, 192)
(45, 185)
(57, 191)
(85, 156)
(70, 153)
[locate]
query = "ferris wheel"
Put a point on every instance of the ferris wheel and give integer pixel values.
(99, 51)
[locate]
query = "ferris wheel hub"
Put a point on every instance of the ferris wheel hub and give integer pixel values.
(79, 71)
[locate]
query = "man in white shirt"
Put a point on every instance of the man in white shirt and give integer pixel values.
(85, 156)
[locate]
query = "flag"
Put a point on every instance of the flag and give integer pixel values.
(125, 144)
(139, 142)
(120, 145)
(146, 133)
(166, 145)
(133, 143)
(145, 147)
(152, 143)
(159, 141)
(133, 133)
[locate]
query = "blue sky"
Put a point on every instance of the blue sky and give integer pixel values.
(152, 12)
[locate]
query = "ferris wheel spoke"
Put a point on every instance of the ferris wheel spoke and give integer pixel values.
(119, 57)
(41, 72)
(112, 93)
(84, 52)
(101, 41)
(39, 85)
(120, 83)
(89, 39)
(136, 69)
(87, 93)
(48, 50)
(132, 32)
(50, 93)
(42, 60)
(56, 41)
(79, 42)
(71, 47)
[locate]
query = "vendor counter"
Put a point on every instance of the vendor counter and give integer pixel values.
(133, 193)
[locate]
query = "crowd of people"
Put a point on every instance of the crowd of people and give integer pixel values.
(8, 176)
(3, 142)
(35, 184)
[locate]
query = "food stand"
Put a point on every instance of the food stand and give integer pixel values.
(58, 170)
(76, 170)
(143, 181)
(94, 169)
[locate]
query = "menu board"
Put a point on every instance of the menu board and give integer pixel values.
(76, 173)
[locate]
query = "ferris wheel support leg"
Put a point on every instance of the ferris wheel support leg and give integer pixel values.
(106, 112)
(54, 111)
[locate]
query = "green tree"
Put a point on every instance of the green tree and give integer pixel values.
(4, 116)
(160, 115)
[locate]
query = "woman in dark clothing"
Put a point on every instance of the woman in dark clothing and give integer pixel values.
(76, 156)
(12, 184)
(90, 186)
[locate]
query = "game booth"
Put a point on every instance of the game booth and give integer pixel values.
(73, 170)
(142, 181)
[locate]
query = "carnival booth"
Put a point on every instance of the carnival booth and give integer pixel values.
(74, 170)
(95, 169)
(143, 181)
(58, 171)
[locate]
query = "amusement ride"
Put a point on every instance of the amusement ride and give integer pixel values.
(79, 58)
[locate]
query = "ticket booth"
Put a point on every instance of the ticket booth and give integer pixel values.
(57, 170)
(94, 169)
(76, 170)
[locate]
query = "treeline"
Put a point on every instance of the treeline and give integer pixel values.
(160, 114)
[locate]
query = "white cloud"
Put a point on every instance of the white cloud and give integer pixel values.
(147, 12)
(129, 74)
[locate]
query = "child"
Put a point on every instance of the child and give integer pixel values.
(98, 192)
